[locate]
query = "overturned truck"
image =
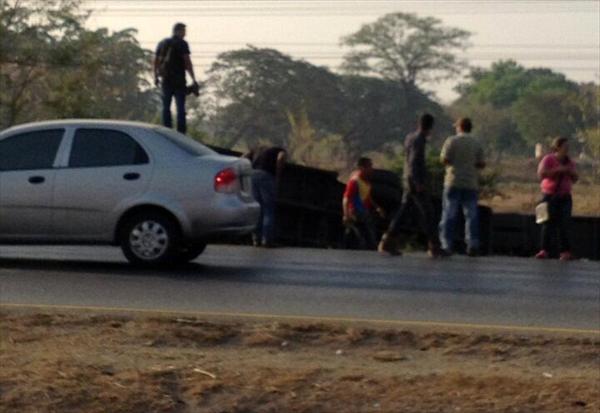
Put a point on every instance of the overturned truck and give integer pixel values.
(309, 214)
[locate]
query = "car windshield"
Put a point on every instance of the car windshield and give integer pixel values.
(187, 144)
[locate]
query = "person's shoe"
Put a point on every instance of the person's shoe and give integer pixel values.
(435, 251)
(442, 253)
(473, 252)
(388, 245)
(542, 255)
(566, 256)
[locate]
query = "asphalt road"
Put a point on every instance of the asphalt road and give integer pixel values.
(316, 283)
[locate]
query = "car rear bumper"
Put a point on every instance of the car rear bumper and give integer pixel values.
(230, 219)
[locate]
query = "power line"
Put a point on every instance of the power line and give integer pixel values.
(337, 45)
(352, 8)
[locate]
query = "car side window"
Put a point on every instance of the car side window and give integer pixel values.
(105, 147)
(30, 150)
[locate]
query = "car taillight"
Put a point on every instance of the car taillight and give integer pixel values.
(226, 181)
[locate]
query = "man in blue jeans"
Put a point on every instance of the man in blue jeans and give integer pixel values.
(268, 164)
(171, 61)
(462, 155)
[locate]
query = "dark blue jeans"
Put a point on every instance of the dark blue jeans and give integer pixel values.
(453, 200)
(264, 191)
(559, 208)
(168, 93)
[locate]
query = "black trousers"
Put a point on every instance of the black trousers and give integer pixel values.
(362, 232)
(559, 224)
(424, 206)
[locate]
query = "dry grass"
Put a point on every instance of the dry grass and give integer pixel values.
(519, 190)
(74, 362)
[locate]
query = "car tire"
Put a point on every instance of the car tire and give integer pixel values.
(191, 252)
(150, 239)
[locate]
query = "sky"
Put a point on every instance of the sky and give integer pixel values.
(563, 35)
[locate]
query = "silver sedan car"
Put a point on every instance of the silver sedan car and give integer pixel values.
(158, 194)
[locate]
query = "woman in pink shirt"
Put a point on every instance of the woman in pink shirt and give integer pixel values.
(558, 174)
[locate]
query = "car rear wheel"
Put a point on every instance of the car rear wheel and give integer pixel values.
(150, 239)
(191, 252)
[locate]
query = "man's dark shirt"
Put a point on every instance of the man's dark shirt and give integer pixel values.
(175, 76)
(266, 159)
(415, 169)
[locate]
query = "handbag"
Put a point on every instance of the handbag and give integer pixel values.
(542, 212)
(542, 209)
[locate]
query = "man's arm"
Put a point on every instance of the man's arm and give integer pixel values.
(417, 164)
(345, 209)
(187, 61)
(480, 163)
(445, 155)
(189, 67)
(281, 160)
(349, 193)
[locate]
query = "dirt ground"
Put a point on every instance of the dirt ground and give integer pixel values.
(76, 361)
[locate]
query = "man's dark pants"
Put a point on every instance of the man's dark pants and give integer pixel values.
(363, 228)
(422, 201)
(168, 93)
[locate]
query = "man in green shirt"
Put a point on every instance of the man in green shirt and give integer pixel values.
(462, 155)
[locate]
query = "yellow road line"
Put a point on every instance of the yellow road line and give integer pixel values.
(308, 318)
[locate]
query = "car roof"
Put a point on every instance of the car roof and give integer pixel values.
(78, 122)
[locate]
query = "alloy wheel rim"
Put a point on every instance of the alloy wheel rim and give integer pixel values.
(149, 240)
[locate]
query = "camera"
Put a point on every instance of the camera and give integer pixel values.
(193, 88)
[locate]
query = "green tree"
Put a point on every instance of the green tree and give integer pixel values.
(261, 95)
(500, 86)
(541, 115)
(252, 92)
(590, 133)
(51, 66)
(376, 116)
(515, 107)
(407, 49)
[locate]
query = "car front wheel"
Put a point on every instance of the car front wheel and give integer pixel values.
(150, 239)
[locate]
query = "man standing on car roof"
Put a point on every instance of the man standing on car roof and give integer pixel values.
(415, 192)
(171, 61)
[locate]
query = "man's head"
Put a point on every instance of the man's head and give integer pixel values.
(179, 30)
(365, 166)
(426, 122)
(463, 125)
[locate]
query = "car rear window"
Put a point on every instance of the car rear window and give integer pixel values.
(97, 147)
(185, 143)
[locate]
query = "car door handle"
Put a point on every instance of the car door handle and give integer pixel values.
(132, 176)
(37, 180)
